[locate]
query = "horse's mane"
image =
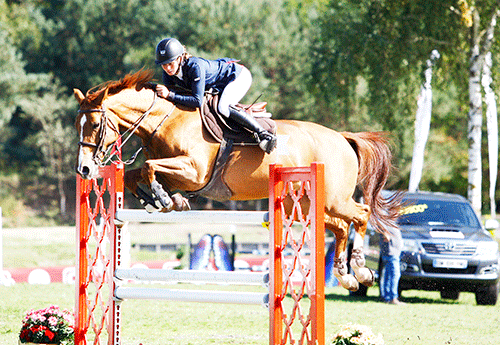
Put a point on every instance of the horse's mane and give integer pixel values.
(138, 80)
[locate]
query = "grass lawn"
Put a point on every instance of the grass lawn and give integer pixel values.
(425, 319)
(31, 247)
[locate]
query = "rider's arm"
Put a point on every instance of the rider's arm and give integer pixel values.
(196, 77)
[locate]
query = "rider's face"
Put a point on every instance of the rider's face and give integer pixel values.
(171, 68)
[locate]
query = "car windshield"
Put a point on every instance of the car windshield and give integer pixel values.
(438, 212)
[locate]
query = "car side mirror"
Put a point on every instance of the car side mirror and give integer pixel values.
(491, 224)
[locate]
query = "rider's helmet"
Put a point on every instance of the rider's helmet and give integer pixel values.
(168, 50)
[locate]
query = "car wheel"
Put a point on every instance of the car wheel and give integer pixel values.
(487, 295)
(400, 291)
(450, 294)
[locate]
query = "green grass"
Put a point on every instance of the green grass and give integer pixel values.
(30, 247)
(425, 319)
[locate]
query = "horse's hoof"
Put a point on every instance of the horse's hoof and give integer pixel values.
(180, 202)
(348, 282)
(353, 287)
(363, 274)
(162, 196)
(150, 208)
(366, 276)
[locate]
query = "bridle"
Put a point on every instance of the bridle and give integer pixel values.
(101, 153)
(99, 147)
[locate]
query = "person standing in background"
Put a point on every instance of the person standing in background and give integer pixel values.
(390, 251)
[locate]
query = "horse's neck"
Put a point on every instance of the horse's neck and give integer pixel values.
(132, 105)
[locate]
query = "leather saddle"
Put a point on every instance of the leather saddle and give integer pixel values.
(222, 128)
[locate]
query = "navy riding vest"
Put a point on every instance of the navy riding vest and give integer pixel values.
(200, 75)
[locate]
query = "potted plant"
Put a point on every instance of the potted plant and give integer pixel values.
(356, 335)
(47, 326)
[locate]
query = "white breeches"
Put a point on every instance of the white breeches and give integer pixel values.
(234, 91)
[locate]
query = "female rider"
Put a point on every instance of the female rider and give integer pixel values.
(230, 79)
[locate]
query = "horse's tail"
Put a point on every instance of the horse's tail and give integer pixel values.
(374, 156)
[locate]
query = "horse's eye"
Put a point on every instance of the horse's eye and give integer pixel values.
(95, 125)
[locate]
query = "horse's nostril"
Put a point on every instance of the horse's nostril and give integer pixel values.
(85, 171)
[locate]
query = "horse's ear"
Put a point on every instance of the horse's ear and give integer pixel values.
(101, 96)
(78, 95)
(105, 95)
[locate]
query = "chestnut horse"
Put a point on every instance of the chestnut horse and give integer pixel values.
(180, 155)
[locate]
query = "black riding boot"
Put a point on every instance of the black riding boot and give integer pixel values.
(267, 141)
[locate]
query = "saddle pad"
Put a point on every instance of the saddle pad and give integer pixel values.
(221, 127)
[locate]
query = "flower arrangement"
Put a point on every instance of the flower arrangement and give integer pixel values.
(357, 335)
(47, 326)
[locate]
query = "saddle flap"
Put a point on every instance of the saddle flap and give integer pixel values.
(221, 127)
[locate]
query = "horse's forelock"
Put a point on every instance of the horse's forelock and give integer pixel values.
(137, 80)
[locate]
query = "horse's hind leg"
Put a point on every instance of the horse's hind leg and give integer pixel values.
(340, 229)
(363, 274)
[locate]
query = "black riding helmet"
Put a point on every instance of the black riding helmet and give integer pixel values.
(168, 50)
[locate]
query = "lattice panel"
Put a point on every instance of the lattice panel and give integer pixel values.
(298, 308)
(98, 203)
(296, 263)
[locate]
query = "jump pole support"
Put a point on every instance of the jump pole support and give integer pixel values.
(114, 175)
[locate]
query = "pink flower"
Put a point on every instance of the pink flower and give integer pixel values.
(53, 321)
(48, 324)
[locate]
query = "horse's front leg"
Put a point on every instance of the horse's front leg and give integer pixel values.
(178, 172)
(132, 180)
(340, 229)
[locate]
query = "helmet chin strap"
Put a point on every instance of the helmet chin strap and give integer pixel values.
(181, 62)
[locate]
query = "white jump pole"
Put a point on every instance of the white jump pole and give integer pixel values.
(220, 217)
(224, 277)
(122, 293)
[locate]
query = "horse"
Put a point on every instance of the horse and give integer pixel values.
(180, 156)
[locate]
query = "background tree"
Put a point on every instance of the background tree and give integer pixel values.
(84, 43)
(22, 104)
(349, 65)
(385, 44)
(481, 37)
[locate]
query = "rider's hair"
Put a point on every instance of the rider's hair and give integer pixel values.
(185, 55)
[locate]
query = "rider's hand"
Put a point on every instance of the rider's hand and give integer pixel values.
(162, 91)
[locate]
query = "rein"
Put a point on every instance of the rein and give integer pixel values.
(115, 149)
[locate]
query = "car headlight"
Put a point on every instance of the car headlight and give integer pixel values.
(487, 249)
(410, 246)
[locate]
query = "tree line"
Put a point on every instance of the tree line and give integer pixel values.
(349, 65)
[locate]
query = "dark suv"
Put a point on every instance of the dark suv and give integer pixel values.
(445, 248)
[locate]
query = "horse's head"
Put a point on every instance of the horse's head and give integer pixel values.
(97, 132)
